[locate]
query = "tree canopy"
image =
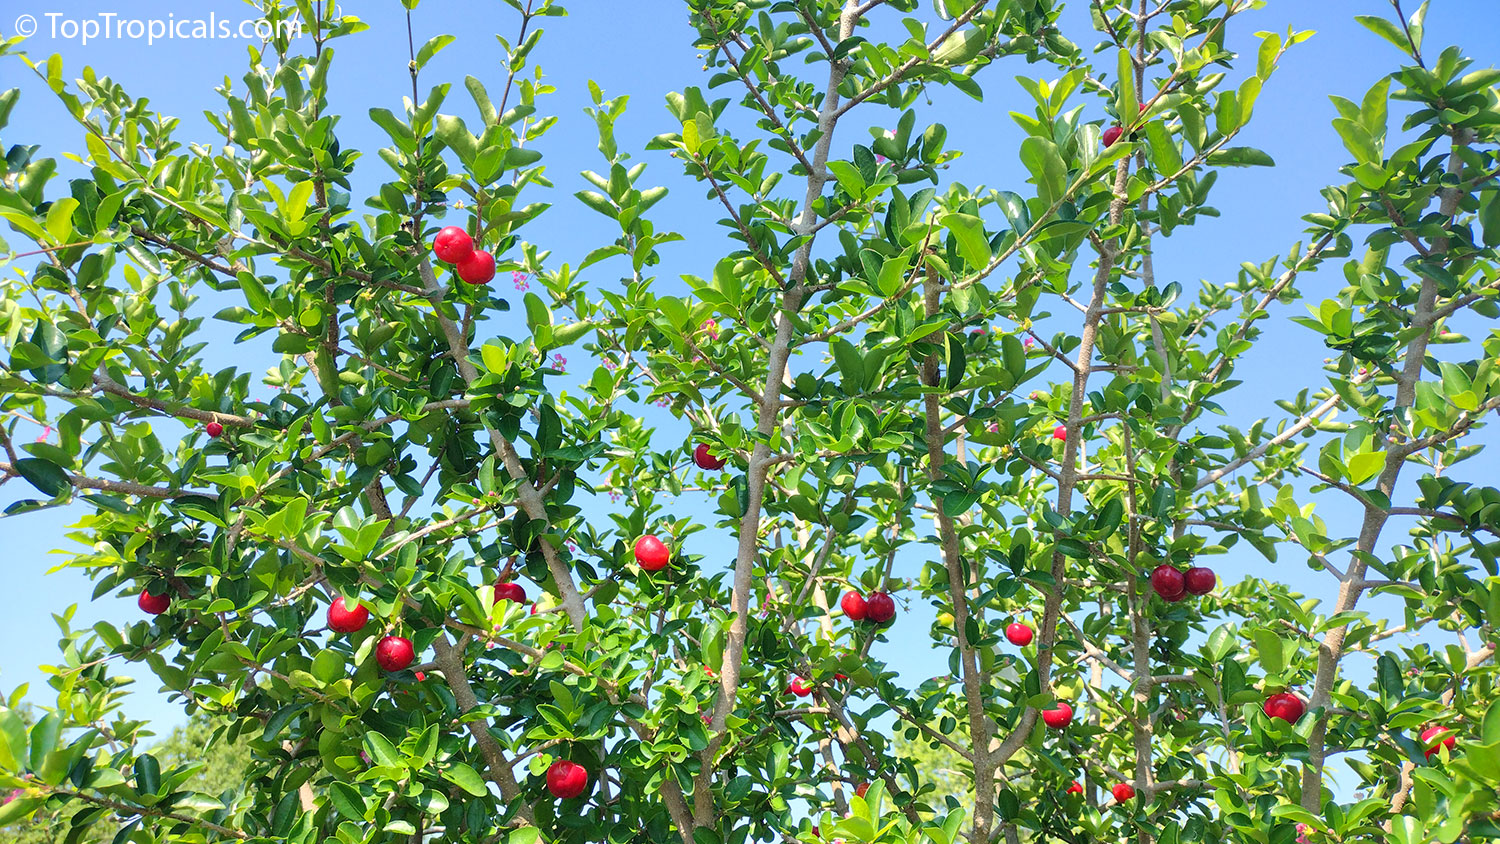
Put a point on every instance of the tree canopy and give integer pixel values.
(897, 389)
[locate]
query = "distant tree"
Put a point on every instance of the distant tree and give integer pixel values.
(943, 769)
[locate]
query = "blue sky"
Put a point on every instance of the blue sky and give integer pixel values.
(644, 49)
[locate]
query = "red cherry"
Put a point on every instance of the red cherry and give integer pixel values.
(1431, 742)
(476, 267)
(566, 779)
(1122, 792)
(452, 245)
(706, 460)
(1200, 580)
(879, 607)
(1111, 135)
(1018, 634)
(394, 653)
(1286, 706)
(154, 604)
(854, 605)
(213, 429)
(1060, 433)
(1058, 718)
(652, 553)
(1075, 788)
(421, 675)
(342, 619)
(510, 592)
(862, 788)
(799, 687)
(1169, 582)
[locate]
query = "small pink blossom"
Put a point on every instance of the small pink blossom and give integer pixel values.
(521, 280)
(1028, 343)
(662, 403)
(559, 363)
(609, 364)
(880, 159)
(47, 432)
(993, 427)
(11, 796)
(614, 496)
(711, 328)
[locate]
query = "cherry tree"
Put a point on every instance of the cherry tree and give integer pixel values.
(440, 587)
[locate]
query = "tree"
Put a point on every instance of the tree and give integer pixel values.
(218, 768)
(886, 359)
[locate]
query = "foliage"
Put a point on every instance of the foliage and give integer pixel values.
(883, 359)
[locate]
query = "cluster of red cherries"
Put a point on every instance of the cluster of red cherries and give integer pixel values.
(1173, 584)
(876, 608)
(454, 246)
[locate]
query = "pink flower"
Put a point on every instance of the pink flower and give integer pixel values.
(609, 364)
(711, 328)
(559, 363)
(880, 159)
(614, 496)
(521, 280)
(993, 427)
(47, 432)
(11, 796)
(662, 403)
(1028, 343)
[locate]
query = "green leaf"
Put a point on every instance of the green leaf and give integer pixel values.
(1240, 157)
(850, 364)
(465, 778)
(1387, 30)
(1268, 644)
(147, 774)
(431, 48)
(45, 475)
(347, 799)
(968, 231)
(1363, 467)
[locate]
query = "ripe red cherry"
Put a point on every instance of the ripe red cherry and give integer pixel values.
(1075, 788)
(1060, 433)
(476, 267)
(394, 653)
(1286, 706)
(1200, 580)
(1018, 634)
(342, 619)
(652, 553)
(799, 687)
(213, 429)
(1122, 792)
(1111, 135)
(879, 607)
(862, 788)
(1169, 582)
(452, 244)
(566, 779)
(154, 604)
(854, 605)
(421, 675)
(1431, 743)
(1058, 718)
(706, 460)
(510, 592)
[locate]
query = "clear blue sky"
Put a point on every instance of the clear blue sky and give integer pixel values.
(643, 48)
